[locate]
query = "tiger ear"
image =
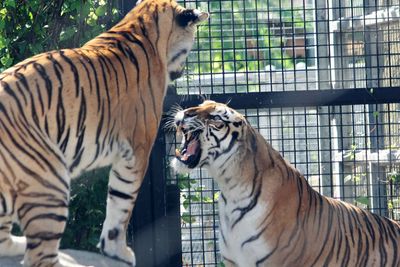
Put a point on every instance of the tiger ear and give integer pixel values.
(138, 2)
(191, 17)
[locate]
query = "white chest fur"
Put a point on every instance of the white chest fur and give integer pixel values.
(241, 241)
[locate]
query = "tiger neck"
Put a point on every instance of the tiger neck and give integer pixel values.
(259, 174)
(240, 176)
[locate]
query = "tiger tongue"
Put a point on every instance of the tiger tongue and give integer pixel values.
(192, 147)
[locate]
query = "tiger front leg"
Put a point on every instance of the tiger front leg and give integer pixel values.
(125, 179)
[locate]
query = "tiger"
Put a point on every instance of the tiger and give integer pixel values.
(67, 111)
(268, 213)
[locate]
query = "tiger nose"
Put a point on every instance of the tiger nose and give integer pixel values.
(179, 118)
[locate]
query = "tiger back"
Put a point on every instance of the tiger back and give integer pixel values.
(68, 111)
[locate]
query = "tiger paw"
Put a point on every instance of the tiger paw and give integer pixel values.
(14, 246)
(118, 250)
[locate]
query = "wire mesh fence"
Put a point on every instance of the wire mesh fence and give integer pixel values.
(349, 152)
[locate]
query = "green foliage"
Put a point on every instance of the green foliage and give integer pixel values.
(363, 200)
(192, 193)
(31, 27)
(86, 210)
(238, 41)
(394, 177)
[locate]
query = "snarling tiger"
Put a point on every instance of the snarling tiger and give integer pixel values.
(269, 214)
(68, 111)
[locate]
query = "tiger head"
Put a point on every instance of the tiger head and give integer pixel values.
(212, 134)
(170, 28)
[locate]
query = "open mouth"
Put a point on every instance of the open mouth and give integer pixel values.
(190, 153)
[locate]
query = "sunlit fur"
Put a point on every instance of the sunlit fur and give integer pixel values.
(69, 111)
(269, 214)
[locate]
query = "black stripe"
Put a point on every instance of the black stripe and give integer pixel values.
(118, 194)
(48, 256)
(60, 118)
(63, 145)
(32, 245)
(73, 70)
(77, 160)
(134, 40)
(95, 75)
(177, 55)
(256, 236)
(244, 210)
(230, 146)
(327, 231)
(48, 83)
(46, 236)
(3, 204)
(9, 91)
(33, 174)
(119, 177)
(131, 56)
(39, 96)
(45, 216)
(21, 93)
(81, 114)
(29, 206)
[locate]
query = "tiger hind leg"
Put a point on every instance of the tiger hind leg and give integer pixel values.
(42, 211)
(43, 221)
(10, 245)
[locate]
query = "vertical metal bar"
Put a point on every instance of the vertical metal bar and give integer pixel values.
(174, 225)
(322, 31)
(158, 192)
(143, 235)
(323, 44)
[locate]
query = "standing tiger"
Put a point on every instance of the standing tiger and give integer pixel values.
(73, 110)
(269, 214)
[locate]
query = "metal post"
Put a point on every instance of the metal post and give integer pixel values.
(322, 36)
(372, 62)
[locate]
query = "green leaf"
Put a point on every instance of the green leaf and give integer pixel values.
(3, 13)
(36, 48)
(187, 218)
(30, 15)
(6, 60)
(207, 200)
(85, 10)
(185, 203)
(390, 205)
(67, 33)
(101, 11)
(10, 3)
(3, 42)
(363, 200)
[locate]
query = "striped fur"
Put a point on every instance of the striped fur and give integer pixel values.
(68, 111)
(269, 214)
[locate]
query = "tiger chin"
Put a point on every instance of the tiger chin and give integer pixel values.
(269, 214)
(73, 110)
